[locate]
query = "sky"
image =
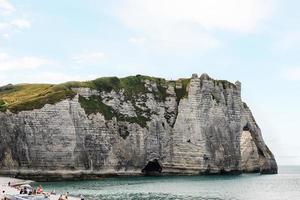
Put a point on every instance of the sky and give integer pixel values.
(254, 41)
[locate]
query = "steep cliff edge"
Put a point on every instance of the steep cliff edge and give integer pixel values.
(132, 125)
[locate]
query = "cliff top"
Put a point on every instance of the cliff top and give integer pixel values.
(22, 97)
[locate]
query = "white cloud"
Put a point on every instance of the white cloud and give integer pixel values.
(6, 8)
(42, 77)
(14, 24)
(7, 28)
(90, 58)
(10, 22)
(55, 77)
(233, 15)
(138, 40)
(8, 63)
(177, 38)
(292, 74)
(186, 22)
(21, 23)
(50, 77)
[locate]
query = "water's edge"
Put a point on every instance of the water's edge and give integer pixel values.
(68, 175)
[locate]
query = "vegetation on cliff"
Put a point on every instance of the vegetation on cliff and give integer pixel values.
(23, 97)
(32, 96)
(181, 92)
(132, 85)
(94, 105)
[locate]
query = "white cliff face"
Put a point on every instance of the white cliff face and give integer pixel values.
(208, 131)
(249, 153)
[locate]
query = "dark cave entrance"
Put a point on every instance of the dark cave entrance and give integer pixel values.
(152, 168)
(246, 128)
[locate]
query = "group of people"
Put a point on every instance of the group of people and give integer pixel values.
(31, 191)
(27, 189)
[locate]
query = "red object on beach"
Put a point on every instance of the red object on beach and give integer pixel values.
(39, 190)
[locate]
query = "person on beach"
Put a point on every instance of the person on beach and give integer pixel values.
(28, 190)
(39, 190)
(63, 197)
(3, 195)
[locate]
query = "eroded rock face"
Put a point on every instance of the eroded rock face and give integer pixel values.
(210, 130)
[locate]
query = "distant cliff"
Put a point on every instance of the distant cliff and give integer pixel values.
(129, 126)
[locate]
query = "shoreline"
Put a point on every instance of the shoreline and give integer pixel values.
(73, 175)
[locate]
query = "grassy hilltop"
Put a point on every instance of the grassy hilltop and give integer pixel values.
(22, 97)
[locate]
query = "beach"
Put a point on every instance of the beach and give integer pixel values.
(4, 186)
(13, 191)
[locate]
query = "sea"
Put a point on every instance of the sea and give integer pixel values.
(283, 186)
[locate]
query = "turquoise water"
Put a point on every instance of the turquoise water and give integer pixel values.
(283, 186)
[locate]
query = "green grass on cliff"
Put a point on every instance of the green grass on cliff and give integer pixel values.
(182, 92)
(132, 85)
(23, 97)
(2, 105)
(32, 96)
(94, 105)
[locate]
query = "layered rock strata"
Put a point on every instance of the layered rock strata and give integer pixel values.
(203, 128)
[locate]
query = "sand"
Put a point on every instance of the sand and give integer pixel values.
(13, 191)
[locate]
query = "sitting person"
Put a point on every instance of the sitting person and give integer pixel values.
(61, 197)
(39, 190)
(25, 191)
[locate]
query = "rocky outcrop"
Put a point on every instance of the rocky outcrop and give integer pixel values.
(188, 126)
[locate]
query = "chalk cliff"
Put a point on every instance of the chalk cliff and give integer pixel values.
(133, 125)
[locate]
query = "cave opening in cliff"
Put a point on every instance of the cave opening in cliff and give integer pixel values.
(246, 128)
(152, 168)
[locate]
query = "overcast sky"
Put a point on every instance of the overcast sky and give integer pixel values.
(254, 41)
